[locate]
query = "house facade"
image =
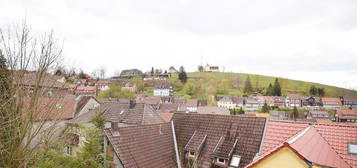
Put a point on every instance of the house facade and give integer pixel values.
(131, 86)
(293, 100)
(346, 115)
(317, 114)
(209, 68)
(163, 89)
(230, 102)
(350, 101)
(331, 102)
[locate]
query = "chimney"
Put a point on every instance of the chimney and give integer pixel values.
(115, 128)
(132, 104)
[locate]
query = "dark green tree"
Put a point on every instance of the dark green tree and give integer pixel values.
(182, 75)
(321, 92)
(270, 90)
(276, 88)
(295, 114)
(248, 86)
(241, 111)
(4, 79)
(313, 90)
(152, 71)
(200, 68)
(265, 108)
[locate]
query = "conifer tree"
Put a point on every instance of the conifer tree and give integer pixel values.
(295, 114)
(270, 90)
(276, 88)
(248, 86)
(182, 75)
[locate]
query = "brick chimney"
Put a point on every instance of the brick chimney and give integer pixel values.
(132, 104)
(115, 128)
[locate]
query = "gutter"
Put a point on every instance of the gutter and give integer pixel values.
(175, 144)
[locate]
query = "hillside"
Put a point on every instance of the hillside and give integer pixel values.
(261, 82)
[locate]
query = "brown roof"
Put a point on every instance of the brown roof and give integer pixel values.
(137, 115)
(54, 108)
(32, 79)
(166, 116)
(212, 110)
(167, 108)
(83, 100)
(192, 103)
(248, 131)
(331, 101)
(150, 146)
(350, 98)
(337, 136)
(346, 114)
(162, 85)
(319, 112)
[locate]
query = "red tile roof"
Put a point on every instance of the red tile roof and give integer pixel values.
(166, 116)
(331, 101)
(346, 114)
(278, 132)
(310, 144)
(337, 136)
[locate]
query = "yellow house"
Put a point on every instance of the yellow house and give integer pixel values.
(281, 157)
(307, 149)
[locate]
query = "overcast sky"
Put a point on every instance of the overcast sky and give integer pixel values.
(298, 39)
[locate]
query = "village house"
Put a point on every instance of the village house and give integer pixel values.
(303, 144)
(331, 102)
(55, 112)
(49, 85)
(103, 85)
(209, 68)
(189, 140)
(213, 110)
(173, 70)
(86, 91)
(269, 100)
(279, 101)
(311, 102)
(230, 102)
(251, 104)
(280, 115)
(191, 105)
(162, 89)
(293, 100)
(317, 114)
(131, 86)
(350, 101)
(346, 115)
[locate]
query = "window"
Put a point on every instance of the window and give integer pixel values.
(352, 148)
(220, 160)
(235, 161)
(192, 154)
(69, 150)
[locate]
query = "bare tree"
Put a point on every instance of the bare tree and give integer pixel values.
(20, 131)
(102, 72)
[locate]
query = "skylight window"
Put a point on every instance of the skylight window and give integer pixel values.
(352, 148)
(122, 112)
(235, 161)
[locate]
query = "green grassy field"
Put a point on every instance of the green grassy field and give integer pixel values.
(261, 81)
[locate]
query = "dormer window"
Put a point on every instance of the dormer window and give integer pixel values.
(191, 154)
(221, 160)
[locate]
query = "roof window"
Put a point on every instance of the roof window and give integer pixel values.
(352, 148)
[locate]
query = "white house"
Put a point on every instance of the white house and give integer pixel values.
(163, 89)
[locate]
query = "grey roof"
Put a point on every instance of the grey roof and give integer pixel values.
(131, 72)
(212, 110)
